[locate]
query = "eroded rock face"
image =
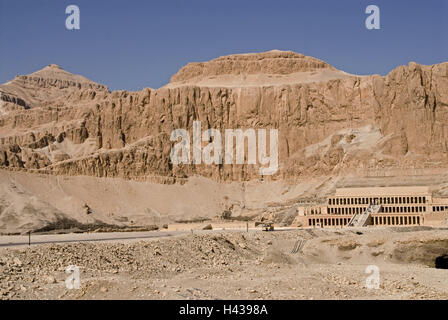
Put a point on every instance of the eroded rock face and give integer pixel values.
(272, 62)
(45, 85)
(348, 124)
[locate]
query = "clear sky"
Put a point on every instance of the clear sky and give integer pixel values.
(141, 43)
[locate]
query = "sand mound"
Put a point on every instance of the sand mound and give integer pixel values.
(274, 256)
(402, 247)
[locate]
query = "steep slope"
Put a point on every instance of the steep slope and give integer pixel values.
(261, 69)
(47, 84)
(369, 125)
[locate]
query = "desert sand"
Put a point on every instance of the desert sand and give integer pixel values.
(235, 265)
(80, 162)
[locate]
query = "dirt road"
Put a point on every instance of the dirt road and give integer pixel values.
(24, 240)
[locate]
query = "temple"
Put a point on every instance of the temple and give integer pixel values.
(376, 206)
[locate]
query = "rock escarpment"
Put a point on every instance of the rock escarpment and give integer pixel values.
(333, 124)
(46, 85)
(273, 62)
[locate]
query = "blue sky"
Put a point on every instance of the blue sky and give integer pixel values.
(140, 43)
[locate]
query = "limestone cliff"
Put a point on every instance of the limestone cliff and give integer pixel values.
(329, 122)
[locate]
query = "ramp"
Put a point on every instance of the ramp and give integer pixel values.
(298, 246)
(360, 219)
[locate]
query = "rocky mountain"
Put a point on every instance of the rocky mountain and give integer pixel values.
(333, 128)
(55, 122)
(45, 85)
(256, 69)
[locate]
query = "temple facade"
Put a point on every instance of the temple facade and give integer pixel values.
(377, 206)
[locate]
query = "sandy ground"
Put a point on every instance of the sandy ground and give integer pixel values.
(173, 230)
(34, 201)
(235, 264)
